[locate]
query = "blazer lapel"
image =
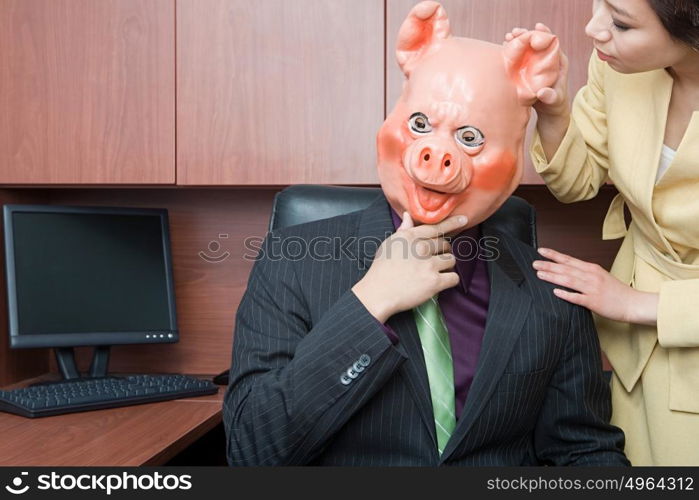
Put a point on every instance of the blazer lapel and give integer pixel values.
(639, 144)
(645, 104)
(507, 311)
(375, 226)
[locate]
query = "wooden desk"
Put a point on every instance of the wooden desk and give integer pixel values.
(148, 434)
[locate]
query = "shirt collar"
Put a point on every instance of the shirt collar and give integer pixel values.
(464, 246)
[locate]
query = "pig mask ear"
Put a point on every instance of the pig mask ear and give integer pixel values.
(423, 29)
(532, 60)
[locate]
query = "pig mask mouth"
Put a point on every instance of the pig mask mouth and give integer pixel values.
(431, 200)
(429, 205)
(436, 178)
(434, 190)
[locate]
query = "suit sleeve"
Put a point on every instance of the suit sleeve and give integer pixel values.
(573, 426)
(291, 388)
(678, 315)
(580, 165)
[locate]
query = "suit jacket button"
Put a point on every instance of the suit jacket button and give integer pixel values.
(351, 373)
(364, 360)
(345, 379)
(357, 367)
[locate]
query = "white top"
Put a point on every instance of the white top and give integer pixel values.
(666, 157)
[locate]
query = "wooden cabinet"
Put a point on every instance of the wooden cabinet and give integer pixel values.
(279, 91)
(220, 92)
(490, 20)
(87, 92)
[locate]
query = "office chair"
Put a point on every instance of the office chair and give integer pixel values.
(309, 202)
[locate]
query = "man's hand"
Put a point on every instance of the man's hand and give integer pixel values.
(410, 266)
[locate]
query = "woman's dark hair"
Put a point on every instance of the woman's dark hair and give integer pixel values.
(680, 18)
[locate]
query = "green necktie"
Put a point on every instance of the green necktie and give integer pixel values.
(440, 367)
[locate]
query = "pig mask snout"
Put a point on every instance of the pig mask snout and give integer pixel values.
(436, 164)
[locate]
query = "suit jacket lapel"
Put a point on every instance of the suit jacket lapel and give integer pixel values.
(374, 226)
(507, 311)
(414, 370)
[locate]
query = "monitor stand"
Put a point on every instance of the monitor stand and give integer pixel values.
(65, 356)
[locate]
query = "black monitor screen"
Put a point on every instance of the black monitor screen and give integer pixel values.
(86, 273)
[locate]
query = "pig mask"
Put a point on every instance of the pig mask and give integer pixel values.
(453, 144)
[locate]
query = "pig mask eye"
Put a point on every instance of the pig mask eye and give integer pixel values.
(471, 138)
(419, 123)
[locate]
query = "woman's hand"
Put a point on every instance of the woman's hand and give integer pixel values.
(552, 102)
(552, 105)
(596, 289)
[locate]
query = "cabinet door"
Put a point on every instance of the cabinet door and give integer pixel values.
(489, 20)
(279, 91)
(87, 92)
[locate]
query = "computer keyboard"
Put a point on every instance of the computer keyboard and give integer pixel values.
(78, 395)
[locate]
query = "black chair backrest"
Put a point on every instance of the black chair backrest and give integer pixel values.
(309, 202)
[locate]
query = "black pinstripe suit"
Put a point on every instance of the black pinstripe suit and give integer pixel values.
(538, 396)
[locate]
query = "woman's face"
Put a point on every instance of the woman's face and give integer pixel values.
(630, 37)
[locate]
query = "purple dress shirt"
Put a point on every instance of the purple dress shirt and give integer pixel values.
(464, 307)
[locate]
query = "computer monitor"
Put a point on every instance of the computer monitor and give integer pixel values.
(88, 276)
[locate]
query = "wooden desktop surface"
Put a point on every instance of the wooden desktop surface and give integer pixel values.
(147, 434)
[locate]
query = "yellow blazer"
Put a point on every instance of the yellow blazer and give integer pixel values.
(616, 132)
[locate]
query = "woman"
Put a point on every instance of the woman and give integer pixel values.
(636, 122)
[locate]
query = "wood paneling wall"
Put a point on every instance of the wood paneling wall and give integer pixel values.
(87, 92)
(575, 229)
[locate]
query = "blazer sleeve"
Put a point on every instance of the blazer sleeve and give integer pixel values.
(678, 315)
(290, 390)
(573, 426)
(581, 163)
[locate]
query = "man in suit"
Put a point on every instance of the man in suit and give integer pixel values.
(414, 332)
